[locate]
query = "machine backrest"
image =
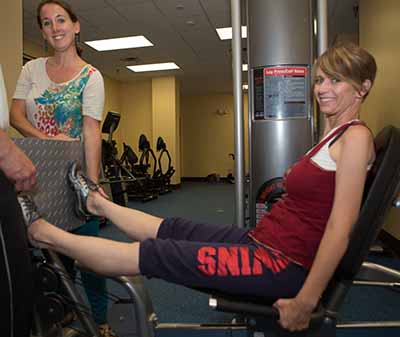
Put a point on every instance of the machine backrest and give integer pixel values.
(143, 143)
(160, 144)
(111, 122)
(381, 189)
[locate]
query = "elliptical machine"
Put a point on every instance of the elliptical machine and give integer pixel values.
(164, 177)
(147, 159)
(140, 189)
(110, 164)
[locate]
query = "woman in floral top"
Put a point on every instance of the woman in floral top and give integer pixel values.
(62, 98)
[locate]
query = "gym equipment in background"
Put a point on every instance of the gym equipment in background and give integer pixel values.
(123, 183)
(164, 176)
(148, 167)
(110, 165)
(141, 190)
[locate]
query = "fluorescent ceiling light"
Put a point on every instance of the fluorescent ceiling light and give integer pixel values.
(120, 43)
(153, 67)
(245, 67)
(245, 86)
(226, 33)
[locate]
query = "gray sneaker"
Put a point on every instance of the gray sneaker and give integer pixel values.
(28, 208)
(81, 185)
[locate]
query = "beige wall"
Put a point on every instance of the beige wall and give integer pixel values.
(135, 112)
(33, 49)
(178, 133)
(11, 43)
(112, 102)
(379, 33)
(208, 134)
(165, 120)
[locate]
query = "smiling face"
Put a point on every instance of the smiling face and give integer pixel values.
(57, 27)
(335, 96)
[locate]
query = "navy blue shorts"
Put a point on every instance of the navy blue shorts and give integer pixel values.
(218, 257)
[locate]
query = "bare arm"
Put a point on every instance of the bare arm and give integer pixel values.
(92, 143)
(356, 149)
(19, 121)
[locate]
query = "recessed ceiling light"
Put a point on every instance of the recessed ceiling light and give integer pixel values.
(245, 87)
(245, 67)
(120, 43)
(153, 67)
(226, 33)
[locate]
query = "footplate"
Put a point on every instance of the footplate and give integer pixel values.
(52, 194)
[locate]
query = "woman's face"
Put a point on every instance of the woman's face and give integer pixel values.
(57, 27)
(333, 95)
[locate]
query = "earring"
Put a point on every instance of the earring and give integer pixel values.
(78, 43)
(77, 39)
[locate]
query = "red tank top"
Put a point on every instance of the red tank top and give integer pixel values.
(295, 224)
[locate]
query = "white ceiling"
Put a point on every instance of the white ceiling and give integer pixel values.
(182, 31)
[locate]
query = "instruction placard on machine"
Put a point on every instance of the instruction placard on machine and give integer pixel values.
(280, 92)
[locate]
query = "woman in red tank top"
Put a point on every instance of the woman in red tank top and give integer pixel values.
(343, 77)
(291, 254)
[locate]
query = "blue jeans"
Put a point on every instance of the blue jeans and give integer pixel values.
(95, 286)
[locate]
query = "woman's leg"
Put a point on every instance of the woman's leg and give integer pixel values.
(188, 230)
(16, 273)
(136, 224)
(100, 255)
(141, 226)
(235, 268)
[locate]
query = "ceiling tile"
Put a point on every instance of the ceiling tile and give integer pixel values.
(86, 5)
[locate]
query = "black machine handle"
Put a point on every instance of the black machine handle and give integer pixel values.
(224, 304)
(240, 307)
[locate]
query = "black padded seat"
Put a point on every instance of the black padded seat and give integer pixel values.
(382, 188)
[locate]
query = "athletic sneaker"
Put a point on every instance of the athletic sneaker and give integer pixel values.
(28, 208)
(81, 185)
(106, 331)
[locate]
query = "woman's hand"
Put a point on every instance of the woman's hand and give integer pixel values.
(294, 315)
(64, 137)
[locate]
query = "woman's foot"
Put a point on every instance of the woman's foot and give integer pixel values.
(29, 209)
(33, 220)
(84, 190)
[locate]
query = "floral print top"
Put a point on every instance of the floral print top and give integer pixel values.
(57, 108)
